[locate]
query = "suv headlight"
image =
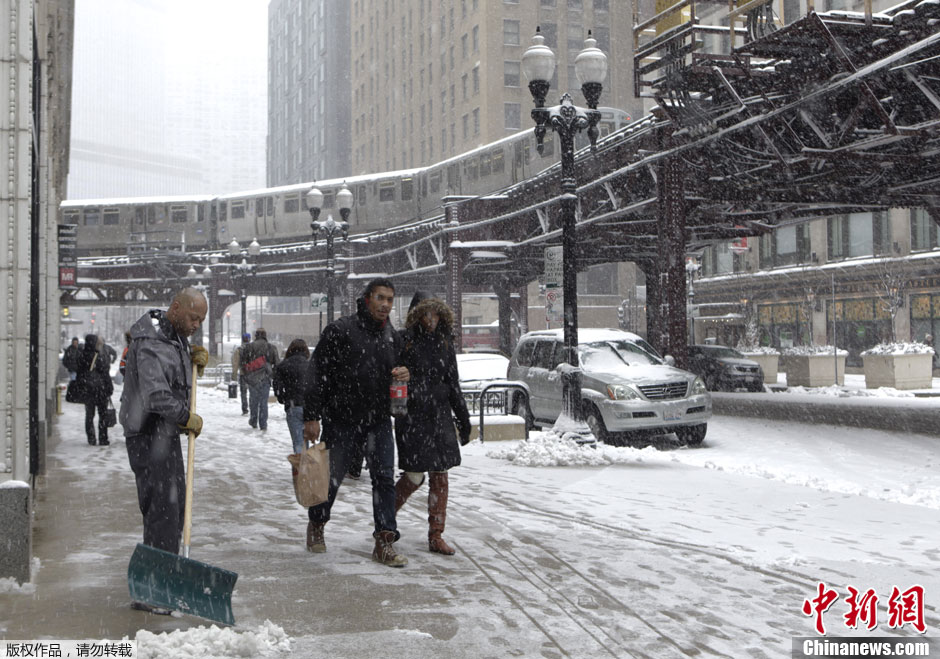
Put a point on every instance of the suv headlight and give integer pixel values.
(620, 392)
(698, 387)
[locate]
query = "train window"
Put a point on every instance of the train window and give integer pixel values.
(424, 187)
(112, 216)
(473, 168)
(497, 161)
(92, 216)
(259, 207)
(292, 204)
(140, 215)
(268, 206)
(407, 189)
(484, 165)
(387, 191)
(327, 199)
(435, 181)
(549, 148)
(178, 214)
(452, 177)
(71, 217)
(362, 195)
(201, 213)
(238, 210)
(223, 211)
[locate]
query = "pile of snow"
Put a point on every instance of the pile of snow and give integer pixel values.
(758, 350)
(899, 349)
(845, 392)
(10, 586)
(802, 351)
(268, 640)
(548, 449)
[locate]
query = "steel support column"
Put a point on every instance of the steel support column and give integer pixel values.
(503, 291)
(671, 276)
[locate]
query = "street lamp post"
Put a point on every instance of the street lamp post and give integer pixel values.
(567, 120)
(691, 267)
(241, 272)
(344, 200)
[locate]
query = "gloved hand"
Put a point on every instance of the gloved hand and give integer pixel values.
(200, 357)
(194, 423)
(464, 434)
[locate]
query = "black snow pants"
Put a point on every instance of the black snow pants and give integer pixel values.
(161, 488)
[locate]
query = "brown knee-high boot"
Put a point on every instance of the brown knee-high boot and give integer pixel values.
(404, 488)
(437, 513)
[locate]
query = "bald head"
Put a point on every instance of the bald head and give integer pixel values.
(187, 311)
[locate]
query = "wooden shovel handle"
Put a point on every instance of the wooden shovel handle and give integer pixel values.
(190, 459)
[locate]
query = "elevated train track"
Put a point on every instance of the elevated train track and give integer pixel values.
(833, 113)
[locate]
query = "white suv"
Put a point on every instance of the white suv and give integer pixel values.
(628, 391)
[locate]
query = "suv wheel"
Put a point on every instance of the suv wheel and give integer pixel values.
(692, 435)
(594, 420)
(521, 408)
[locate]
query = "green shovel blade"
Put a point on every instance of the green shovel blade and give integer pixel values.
(166, 580)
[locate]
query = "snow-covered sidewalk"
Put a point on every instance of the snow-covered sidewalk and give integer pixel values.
(562, 550)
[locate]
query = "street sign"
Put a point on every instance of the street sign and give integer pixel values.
(554, 305)
(554, 267)
(318, 301)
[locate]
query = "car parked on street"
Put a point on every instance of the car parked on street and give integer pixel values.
(628, 390)
(476, 371)
(725, 369)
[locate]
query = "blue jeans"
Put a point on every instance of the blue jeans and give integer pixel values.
(378, 446)
(295, 424)
(258, 403)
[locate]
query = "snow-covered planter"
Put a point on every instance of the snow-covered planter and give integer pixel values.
(814, 366)
(767, 357)
(899, 365)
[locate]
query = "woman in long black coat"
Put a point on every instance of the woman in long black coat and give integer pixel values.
(426, 437)
(93, 378)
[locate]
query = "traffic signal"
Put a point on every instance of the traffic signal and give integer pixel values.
(92, 317)
(622, 314)
(65, 312)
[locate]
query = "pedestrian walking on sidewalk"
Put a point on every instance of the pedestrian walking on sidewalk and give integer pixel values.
(289, 378)
(93, 380)
(70, 358)
(155, 410)
(426, 438)
(347, 388)
(258, 361)
(238, 373)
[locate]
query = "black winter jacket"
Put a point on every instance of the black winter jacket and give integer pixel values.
(289, 378)
(93, 377)
(426, 438)
(349, 376)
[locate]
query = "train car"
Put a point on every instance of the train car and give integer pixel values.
(280, 215)
(130, 226)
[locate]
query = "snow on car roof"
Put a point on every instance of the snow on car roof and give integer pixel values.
(588, 335)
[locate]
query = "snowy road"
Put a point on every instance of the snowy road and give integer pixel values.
(620, 553)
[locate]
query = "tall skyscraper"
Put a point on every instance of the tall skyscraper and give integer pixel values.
(426, 79)
(308, 91)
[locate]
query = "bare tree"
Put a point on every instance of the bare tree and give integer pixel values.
(894, 280)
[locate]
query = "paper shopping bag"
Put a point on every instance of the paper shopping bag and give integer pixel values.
(311, 474)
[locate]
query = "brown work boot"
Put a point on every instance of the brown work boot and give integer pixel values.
(404, 488)
(315, 541)
(437, 513)
(384, 551)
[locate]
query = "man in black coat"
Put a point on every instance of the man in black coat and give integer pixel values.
(347, 388)
(258, 361)
(70, 358)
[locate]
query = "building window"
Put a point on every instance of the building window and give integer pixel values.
(513, 116)
(548, 3)
(466, 126)
(550, 32)
(512, 74)
(857, 234)
(511, 33)
(476, 79)
(464, 47)
(601, 5)
(476, 38)
(923, 231)
(574, 4)
(785, 246)
(463, 82)
(476, 121)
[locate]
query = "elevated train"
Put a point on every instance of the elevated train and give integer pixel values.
(142, 225)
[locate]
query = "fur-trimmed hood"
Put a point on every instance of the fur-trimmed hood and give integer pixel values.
(431, 304)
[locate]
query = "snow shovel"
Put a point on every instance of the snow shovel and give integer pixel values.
(161, 579)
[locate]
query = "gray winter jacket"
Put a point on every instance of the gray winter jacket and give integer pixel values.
(158, 379)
